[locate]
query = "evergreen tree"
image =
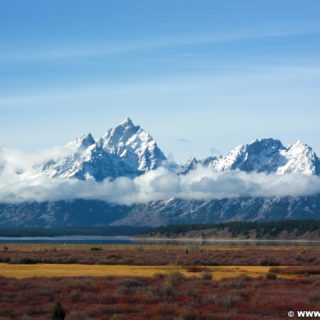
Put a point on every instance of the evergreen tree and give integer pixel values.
(58, 312)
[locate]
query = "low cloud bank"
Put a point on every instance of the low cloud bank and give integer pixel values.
(161, 184)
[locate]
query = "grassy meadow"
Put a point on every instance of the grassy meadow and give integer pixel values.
(22, 271)
(158, 281)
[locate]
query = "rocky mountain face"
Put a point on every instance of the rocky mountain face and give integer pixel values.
(134, 146)
(126, 150)
(61, 213)
(129, 151)
(175, 211)
(265, 156)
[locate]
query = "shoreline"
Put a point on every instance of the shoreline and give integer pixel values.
(219, 240)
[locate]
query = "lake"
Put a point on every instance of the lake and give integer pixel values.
(132, 240)
(70, 240)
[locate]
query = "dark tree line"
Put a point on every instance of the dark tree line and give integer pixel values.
(272, 228)
(69, 231)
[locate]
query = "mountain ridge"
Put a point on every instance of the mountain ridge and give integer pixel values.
(129, 151)
(265, 156)
(81, 212)
(126, 150)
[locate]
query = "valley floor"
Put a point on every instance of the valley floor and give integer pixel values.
(182, 282)
(23, 271)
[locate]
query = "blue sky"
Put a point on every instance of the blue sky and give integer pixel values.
(200, 75)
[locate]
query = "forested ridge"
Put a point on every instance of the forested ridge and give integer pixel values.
(240, 228)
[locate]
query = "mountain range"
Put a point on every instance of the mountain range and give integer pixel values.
(264, 156)
(129, 151)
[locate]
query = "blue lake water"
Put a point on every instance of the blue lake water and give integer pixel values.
(69, 240)
(131, 240)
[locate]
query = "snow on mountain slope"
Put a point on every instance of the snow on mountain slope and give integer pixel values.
(260, 156)
(157, 213)
(177, 211)
(82, 143)
(127, 150)
(193, 163)
(190, 165)
(266, 156)
(134, 145)
(87, 161)
(300, 159)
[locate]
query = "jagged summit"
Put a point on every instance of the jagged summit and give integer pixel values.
(193, 163)
(115, 139)
(266, 156)
(126, 150)
(300, 146)
(127, 122)
(260, 155)
(134, 145)
(300, 159)
(265, 143)
(83, 142)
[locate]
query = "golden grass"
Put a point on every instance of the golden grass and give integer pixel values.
(21, 271)
(151, 247)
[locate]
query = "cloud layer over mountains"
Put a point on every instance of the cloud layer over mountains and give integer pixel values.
(126, 166)
(201, 183)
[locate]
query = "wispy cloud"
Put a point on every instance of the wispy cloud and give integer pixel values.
(74, 50)
(242, 79)
(161, 184)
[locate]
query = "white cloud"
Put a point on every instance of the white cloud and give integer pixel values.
(93, 50)
(17, 161)
(161, 184)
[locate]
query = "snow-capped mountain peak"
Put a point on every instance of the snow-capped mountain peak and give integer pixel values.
(191, 164)
(194, 163)
(83, 142)
(126, 150)
(127, 122)
(134, 145)
(269, 156)
(129, 150)
(300, 147)
(260, 156)
(115, 139)
(300, 159)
